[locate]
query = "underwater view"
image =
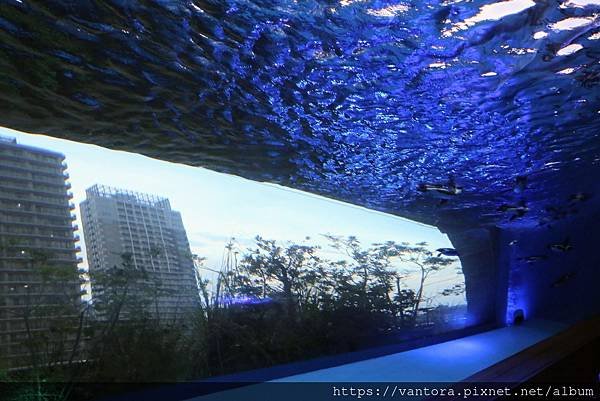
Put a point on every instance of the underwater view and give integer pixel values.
(249, 190)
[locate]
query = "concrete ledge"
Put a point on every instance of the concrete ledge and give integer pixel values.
(451, 361)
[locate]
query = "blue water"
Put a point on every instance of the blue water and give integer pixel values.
(357, 100)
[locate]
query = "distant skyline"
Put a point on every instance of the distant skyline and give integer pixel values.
(216, 207)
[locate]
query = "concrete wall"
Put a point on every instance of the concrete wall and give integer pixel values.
(500, 279)
(485, 280)
(564, 285)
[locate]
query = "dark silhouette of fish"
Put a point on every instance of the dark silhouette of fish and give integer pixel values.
(579, 197)
(562, 280)
(446, 252)
(445, 189)
(556, 213)
(533, 258)
(517, 211)
(561, 246)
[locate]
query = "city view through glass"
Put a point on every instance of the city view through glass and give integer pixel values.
(216, 273)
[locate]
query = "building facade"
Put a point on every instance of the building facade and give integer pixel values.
(39, 285)
(130, 230)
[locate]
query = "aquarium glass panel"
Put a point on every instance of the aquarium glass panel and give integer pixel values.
(135, 269)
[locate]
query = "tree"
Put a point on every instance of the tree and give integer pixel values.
(289, 275)
(129, 339)
(49, 311)
(282, 302)
(376, 272)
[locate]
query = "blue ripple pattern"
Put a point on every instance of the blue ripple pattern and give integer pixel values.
(360, 100)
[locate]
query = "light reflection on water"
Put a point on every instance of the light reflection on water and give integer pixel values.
(339, 99)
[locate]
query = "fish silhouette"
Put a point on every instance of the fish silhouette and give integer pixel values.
(562, 280)
(447, 252)
(517, 211)
(579, 197)
(561, 246)
(445, 189)
(533, 258)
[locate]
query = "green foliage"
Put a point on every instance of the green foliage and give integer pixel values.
(49, 319)
(280, 303)
(286, 303)
(34, 391)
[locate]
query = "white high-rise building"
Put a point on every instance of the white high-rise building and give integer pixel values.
(123, 225)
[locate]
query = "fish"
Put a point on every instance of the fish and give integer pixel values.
(563, 279)
(579, 197)
(556, 213)
(513, 242)
(561, 246)
(448, 189)
(533, 258)
(446, 252)
(517, 210)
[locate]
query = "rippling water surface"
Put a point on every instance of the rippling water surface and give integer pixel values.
(355, 99)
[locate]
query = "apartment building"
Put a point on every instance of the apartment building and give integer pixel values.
(130, 230)
(39, 285)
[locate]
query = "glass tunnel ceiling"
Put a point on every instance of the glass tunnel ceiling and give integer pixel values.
(362, 101)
